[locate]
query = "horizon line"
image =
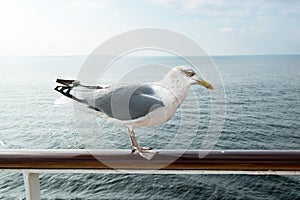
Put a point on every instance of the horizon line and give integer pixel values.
(213, 55)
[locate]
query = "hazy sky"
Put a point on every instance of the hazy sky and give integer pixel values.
(73, 27)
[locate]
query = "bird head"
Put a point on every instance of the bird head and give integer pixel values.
(191, 76)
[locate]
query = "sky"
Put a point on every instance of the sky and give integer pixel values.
(77, 27)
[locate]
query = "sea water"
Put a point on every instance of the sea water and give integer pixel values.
(262, 112)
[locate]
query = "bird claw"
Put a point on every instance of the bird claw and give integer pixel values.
(145, 152)
(146, 148)
(133, 149)
(140, 149)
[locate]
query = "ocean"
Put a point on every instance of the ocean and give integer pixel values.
(262, 112)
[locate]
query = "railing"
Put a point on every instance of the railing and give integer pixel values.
(34, 162)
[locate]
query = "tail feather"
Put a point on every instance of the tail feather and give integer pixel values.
(69, 86)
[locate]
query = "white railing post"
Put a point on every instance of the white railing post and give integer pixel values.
(32, 186)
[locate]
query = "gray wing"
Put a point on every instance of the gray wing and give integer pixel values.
(128, 102)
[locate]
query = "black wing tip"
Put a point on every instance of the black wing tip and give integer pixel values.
(68, 83)
(65, 90)
(57, 88)
(74, 83)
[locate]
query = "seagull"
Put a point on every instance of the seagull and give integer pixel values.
(135, 105)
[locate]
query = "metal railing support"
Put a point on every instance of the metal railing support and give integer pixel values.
(32, 186)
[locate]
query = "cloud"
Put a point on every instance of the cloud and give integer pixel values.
(189, 4)
(289, 11)
(87, 4)
(227, 29)
(231, 8)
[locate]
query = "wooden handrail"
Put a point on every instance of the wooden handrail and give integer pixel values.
(33, 162)
(285, 160)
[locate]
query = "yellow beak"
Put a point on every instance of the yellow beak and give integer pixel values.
(205, 84)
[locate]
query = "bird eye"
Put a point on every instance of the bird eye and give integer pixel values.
(190, 73)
